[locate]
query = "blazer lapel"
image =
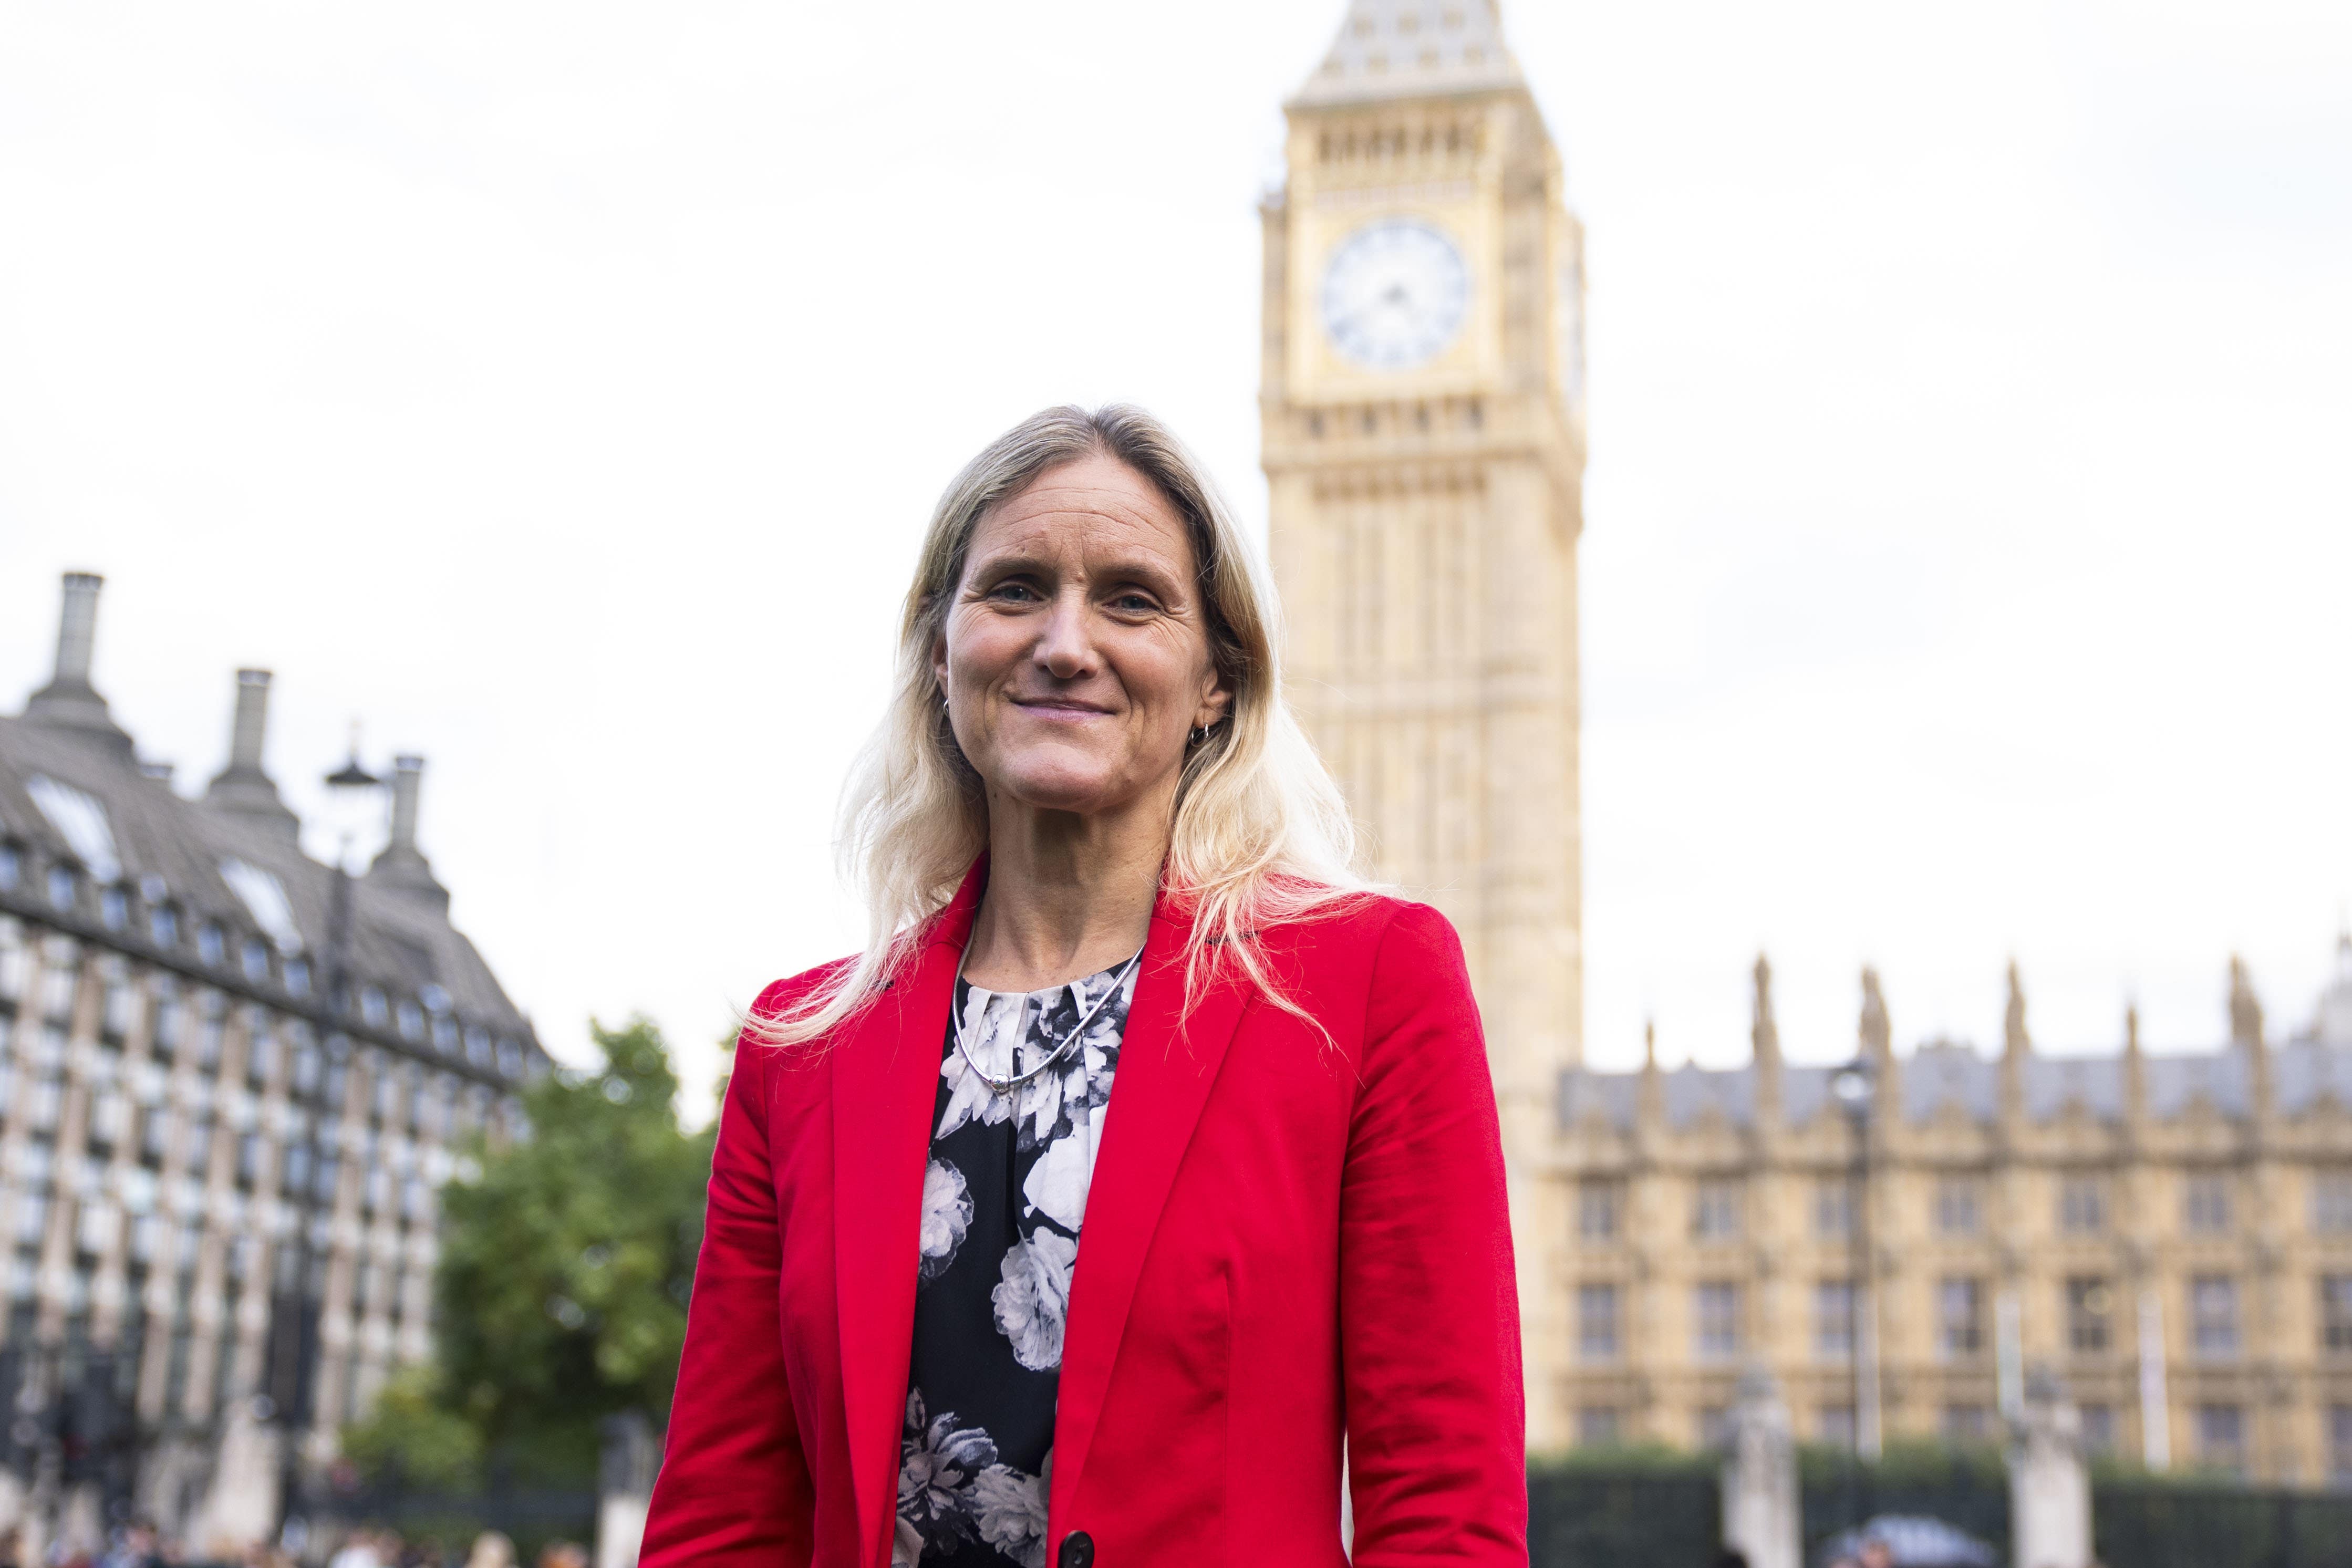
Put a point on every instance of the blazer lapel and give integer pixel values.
(1167, 1064)
(885, 1072)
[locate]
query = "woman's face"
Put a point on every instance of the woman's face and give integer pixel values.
(1075, 655)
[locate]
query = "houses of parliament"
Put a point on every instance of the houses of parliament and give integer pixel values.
(1895, 1242)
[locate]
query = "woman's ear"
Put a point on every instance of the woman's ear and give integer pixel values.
(1216, 703)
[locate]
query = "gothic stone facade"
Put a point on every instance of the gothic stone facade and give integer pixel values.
(218, 1165)
(1422, 406)
(2171, 1234)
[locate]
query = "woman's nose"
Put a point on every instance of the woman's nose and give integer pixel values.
(1064, 648)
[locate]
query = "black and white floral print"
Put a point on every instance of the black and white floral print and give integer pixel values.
(1010, 1508)
(1034, 1301)
(947, 1214)
(1004, 1196)
(954, 1497)
(938, 1461)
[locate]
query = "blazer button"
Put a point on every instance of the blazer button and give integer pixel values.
(1077, 1550)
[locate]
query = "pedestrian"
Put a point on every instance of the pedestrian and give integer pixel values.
(491, 1550)
(1095, 842)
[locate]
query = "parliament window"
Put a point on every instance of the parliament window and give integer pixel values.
(1715, 1304)
(2098, 1429)
(1959, 1317)
(1833, 1318)
(2222, 1437)
(1715, 1210)
(1834, 1208)
(2331, 1202)
(2213, 1314)
(1597, 1322)
(2206, 1204)
(2083, 1205)
(2090, 1308)
(2339, 1445)
(1958, 1206)
(2336, 1313)
(1596, 1426)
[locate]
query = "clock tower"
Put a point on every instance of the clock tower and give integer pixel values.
(1423, 443)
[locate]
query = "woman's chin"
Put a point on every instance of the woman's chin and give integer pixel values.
(1085, 792)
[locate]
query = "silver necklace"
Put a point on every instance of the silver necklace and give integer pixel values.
(1006, 1085)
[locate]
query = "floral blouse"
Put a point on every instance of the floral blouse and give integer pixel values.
(1003, 1197)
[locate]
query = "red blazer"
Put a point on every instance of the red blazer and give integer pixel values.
(1284, 1242)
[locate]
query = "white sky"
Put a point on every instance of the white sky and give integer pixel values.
(559, 390)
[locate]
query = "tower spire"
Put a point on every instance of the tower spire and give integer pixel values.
(1412, 48)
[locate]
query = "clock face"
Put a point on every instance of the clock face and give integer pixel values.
(1395, 294)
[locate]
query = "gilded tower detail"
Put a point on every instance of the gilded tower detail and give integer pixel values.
(1423, 445)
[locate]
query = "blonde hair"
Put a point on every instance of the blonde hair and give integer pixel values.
(1260, 835)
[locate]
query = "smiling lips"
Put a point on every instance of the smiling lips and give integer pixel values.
(1064, 708)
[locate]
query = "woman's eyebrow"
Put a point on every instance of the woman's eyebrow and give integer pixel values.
(1141, 569)
(1011, 559)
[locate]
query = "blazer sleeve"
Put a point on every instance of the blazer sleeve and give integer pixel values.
(1429, 1318)
(734, 1484)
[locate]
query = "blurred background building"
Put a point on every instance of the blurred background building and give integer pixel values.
(233, 1080)
(1898, 1240)
(2173, 1233)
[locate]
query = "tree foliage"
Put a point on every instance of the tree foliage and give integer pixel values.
(566, 1264)
(411, 1432)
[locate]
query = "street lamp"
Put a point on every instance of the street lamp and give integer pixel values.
(353, 800)
(1854, 1088)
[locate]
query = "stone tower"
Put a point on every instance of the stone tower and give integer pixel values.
(1423, 441)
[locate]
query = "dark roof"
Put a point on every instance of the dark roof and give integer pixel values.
(172, 850)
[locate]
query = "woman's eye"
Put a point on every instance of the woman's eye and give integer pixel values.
(1014, 590)
(1138, 603)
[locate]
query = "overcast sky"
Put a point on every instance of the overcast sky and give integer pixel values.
(559, 390)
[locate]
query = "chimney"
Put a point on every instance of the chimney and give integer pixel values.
(252, 722)
(69, 702)
(243, 789)
(401, 867)
(78, 628)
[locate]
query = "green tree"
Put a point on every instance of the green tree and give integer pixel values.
(411, 1431)
(565, 1266)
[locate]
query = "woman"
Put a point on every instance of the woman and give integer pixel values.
(1143, 1157)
